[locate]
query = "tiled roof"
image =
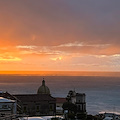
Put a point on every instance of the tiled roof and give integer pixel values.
(7, 95)
(34, 97)
(4, 100)
(61, 100)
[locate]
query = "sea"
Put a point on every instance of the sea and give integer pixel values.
(102, 92)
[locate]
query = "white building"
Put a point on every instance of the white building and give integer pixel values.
(79, 100)
(59, 104)
(7, 106)
(111, 116)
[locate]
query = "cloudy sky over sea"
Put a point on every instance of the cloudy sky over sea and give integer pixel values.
(76, 35)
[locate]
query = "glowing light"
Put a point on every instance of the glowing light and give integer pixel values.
(57, 58)
(10, 59)
(116, 55)
(101, 56)
(60, 58)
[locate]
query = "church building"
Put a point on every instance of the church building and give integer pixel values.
(41, 103)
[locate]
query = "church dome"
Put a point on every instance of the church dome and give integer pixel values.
(43, 89)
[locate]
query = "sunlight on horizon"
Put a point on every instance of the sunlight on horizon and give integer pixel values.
(61, 73)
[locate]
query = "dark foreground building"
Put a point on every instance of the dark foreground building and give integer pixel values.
(38, 104)
(41, 103)
(78, 102)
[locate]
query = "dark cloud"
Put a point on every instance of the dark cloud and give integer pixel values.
(51, 22)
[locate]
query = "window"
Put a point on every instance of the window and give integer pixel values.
(78, 107)
(37, 108)
(51, 107)
(24, 108)
(5, 106)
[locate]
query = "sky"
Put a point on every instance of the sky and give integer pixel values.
(60, 35)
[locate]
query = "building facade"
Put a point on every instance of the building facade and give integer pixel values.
(41, 103)
(38, 104)
(79, 100)
(7, 106)
(59, 104)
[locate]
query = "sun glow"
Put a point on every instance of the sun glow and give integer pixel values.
(10, 59)
(57, 58)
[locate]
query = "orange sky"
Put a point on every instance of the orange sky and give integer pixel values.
(60, 35)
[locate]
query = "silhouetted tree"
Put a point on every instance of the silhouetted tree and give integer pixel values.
(72, 109)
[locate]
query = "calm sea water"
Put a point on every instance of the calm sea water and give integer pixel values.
(102, 93)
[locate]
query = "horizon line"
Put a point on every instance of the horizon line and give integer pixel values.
(63, 73)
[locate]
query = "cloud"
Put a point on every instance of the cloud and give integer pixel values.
(88, 49)
(9, 58)
(72, 49)
(26, 47)
(58, 22)
(83, 33)
(57, 58)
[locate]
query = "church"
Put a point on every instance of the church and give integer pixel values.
(41, 103)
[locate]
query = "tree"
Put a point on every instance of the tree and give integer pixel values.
(72, 109)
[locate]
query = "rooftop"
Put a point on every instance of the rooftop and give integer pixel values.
(34, 97)
(61, 100)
